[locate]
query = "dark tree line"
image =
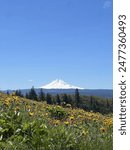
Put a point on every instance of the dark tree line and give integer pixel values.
(88, 103)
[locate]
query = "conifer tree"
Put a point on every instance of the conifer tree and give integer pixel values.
(91, 103)
(58, 99)
(77, 98)
(27, 95)
(48, 98)
(65, 98)
(41, 95)
(18, 93)
(32, 94)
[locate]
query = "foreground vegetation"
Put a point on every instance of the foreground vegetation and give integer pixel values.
(32, 125)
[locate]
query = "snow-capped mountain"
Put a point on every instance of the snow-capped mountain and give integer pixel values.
(59, 84)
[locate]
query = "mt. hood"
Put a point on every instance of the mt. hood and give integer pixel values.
(59, 84)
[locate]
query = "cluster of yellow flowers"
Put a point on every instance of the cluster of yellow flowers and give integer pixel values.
(108, 121)
(75, 116)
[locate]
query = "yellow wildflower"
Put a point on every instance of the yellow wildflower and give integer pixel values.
(31, 113)
(66, 123)
(84, 132)
(56, 122)
(6, 103)
(102, 130)
(108, 121)
(71, 117)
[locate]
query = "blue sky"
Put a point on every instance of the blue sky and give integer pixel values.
(41, 40)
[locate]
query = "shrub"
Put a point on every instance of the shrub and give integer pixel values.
(58, 112)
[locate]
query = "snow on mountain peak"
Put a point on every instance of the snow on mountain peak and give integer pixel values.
(59, 84)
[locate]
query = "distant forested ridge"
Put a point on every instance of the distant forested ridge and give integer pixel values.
(88, 103)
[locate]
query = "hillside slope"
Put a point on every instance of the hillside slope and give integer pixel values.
(31, 125)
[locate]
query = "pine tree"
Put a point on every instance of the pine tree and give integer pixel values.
(77, 98)
(32, 94)
(41, 96)
(27, 95)
(48, 98)
(18, 93)
(58, 99)
(70, 100)
(65, 98)
(91, 103)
